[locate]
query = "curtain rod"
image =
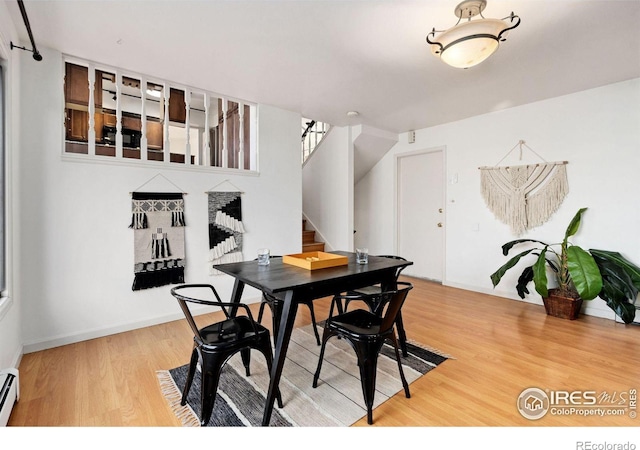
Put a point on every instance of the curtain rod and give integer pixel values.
(36, 54)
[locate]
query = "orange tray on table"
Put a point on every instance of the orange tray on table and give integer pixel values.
(315, 260)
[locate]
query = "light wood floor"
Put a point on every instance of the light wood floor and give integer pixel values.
(500, 346)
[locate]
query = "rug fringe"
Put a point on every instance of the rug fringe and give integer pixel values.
(430, 349)
(170, 391)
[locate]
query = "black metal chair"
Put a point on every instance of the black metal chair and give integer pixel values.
(214, 344)
(376, 304)
(275, 305)
(367, 332)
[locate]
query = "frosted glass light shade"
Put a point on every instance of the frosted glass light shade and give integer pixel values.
(469, 43)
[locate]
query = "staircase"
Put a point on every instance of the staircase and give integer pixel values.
(309, 243)
(312, 134)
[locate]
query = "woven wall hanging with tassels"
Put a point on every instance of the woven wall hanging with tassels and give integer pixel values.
(225, 227)
(159, 248)
(525, 196)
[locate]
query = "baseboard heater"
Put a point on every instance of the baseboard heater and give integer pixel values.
(9, 393)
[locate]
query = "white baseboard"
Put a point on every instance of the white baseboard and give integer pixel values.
(97, 333)
(595, 308)
(102, 332)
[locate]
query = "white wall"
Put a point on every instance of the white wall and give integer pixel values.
(10, 332)
(75, 245)
(328, 189)
(597, 131)
(374, 220)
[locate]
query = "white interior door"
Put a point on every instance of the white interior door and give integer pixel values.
(420, 209)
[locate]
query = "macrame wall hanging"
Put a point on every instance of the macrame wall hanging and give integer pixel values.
(225, 227)
(158, 224)
(524, 197)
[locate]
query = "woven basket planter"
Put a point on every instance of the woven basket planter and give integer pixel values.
(561, 306)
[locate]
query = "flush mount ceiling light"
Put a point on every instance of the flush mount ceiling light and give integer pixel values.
(469, 43)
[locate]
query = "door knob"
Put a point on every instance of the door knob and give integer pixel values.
(440, 210)
(440, 224)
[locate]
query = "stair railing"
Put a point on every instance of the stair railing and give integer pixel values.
(312, 134)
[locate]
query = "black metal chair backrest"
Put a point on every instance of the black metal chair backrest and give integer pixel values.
(183, 301)
(399, 269)
(394, 300)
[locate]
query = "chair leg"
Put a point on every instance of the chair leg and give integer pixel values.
(325, 337)
(401, 334)
(276, 313)
(341, 309)
(190, 374)
(368, 364)
(313, 322)
(404, 380)
(261, 311)
(245, 354)
(211, 368)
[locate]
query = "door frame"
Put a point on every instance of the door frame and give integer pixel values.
(396, 213)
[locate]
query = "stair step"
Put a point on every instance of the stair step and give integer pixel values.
(309, 243)
(308, 237)
(313, 247)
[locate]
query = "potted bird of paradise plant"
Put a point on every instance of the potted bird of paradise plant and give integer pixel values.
(579, 275)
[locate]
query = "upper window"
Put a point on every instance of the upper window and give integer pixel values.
(112, 114)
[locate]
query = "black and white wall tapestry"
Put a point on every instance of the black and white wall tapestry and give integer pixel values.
(524, 196)
(225, 229)
(158, 224)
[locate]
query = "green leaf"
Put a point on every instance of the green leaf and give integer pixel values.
(552, 264)
(506, 247)
(523, 280)
(574, 224)
(616, 258)
(498, 274)
(626, 311)
(584, 273)
(615, 276)
(616, 301)
(540, 274)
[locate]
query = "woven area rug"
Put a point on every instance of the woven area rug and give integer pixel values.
(336, 402)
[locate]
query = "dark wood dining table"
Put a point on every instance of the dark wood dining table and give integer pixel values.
(294, 285)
